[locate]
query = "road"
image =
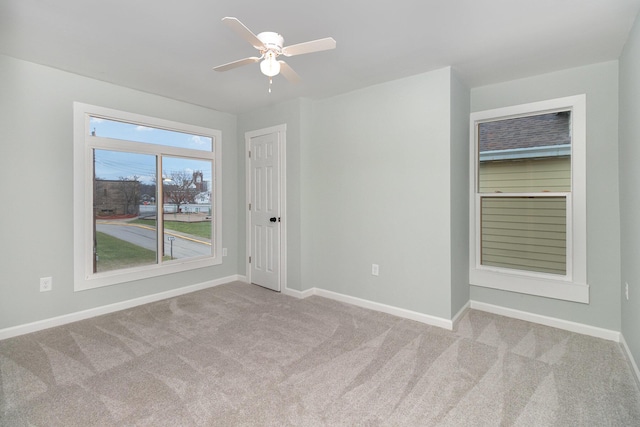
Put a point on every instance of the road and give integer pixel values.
(184, 245)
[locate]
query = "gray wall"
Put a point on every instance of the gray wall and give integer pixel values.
(459, 172)
(377, 176)
(376, 189)
(630, 188)
(36, 166)
(600, 83)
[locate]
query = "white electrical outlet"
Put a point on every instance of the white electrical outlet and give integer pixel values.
(626, 290)
(46, 284)
(224, 251)
(375, 269)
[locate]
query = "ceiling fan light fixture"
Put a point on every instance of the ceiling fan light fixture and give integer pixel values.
(271, 46)
(270, 65)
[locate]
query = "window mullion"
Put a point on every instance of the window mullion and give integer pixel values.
(160, 210)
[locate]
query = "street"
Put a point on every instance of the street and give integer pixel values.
(184, 245)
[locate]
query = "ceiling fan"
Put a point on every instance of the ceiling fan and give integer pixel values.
(271, 46)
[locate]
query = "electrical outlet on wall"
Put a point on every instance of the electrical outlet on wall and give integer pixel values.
(375, 269)
(46, 284)
(626, 290)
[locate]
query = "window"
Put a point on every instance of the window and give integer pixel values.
(528, 207)
(146, 197)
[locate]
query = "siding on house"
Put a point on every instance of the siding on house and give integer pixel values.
(550, 174)
(524, 233)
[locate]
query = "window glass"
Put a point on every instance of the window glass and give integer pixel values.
(525, 155)
(141, 133)
(528, 154)
(124, 193)
(524, 233)
(186, 189)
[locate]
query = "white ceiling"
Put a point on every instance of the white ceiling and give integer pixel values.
(169, 47)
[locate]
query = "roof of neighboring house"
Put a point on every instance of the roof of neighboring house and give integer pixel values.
(543, 130)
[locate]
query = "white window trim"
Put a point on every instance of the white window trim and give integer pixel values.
(573, 286)
(84, 278)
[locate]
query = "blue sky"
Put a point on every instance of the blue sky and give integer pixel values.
(117, 165)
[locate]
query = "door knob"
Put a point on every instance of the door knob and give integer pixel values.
(273, 219)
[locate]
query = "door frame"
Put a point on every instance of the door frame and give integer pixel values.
(281, 130)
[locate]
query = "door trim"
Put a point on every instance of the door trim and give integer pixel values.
(282, 139)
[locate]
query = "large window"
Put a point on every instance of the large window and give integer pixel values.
(528, 217)
(146, 197)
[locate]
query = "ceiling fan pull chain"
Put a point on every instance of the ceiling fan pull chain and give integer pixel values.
(270, 81)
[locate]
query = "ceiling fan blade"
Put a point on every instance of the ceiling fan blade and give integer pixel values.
(236, 64)
(309, 47)
(243, 32)
(288, 73)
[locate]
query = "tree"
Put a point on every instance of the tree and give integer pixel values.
(148, 191)
(130, 190)
(179, 188)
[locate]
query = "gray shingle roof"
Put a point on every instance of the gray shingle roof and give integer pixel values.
(525, 132)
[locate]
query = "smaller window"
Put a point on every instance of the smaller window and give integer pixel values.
(528, 208)
(524, 180)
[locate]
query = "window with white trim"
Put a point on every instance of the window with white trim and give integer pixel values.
(146, 197)
(528, 199)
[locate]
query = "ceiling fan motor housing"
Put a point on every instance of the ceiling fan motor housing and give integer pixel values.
(272, 41)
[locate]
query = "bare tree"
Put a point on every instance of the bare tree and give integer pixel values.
(130, 190)
(179, 188)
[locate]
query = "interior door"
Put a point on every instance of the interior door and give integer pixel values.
(265, 211)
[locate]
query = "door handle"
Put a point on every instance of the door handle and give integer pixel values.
(273, 219)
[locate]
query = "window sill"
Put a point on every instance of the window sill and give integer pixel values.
(545, 287)
(123, 276)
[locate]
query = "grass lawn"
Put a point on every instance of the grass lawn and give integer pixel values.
(201, 229)
(114, 254)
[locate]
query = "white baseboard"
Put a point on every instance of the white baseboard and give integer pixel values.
(632, 361)
(384, 308)
(567, 325)
(110, 308)
(299, 294)
(287, 291)
(459, 314)
(396, 311)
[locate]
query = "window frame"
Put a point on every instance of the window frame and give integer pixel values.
(573, 285)
(84, 143)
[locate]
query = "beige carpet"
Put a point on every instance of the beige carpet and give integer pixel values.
(242, 355)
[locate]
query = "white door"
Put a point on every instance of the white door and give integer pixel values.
(265, 221)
